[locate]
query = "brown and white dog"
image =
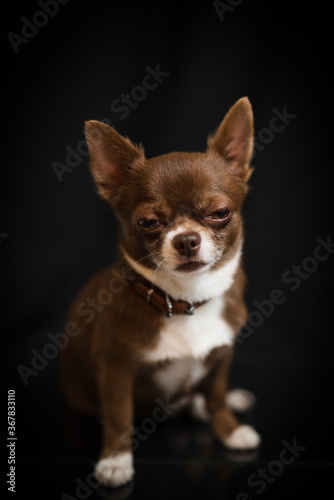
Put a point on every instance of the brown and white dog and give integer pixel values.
(167, 327)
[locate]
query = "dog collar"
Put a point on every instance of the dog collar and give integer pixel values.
(161, 300)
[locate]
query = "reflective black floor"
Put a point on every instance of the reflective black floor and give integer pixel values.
(179, 458)
(56, 233)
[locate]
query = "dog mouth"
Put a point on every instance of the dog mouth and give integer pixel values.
(191, 266)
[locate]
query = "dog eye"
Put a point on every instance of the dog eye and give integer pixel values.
(220, 215)
(148, 224)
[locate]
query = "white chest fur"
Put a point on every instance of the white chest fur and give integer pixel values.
(187, 340)
(193, 336)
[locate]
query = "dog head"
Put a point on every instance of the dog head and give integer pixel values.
(180, 212)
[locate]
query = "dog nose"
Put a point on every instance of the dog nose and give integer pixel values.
(187, 244)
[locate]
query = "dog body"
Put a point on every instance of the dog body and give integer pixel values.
(160, 324)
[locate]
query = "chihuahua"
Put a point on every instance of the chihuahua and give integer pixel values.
(162, 336)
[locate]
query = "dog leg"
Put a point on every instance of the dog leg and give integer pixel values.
(229, 431)
(115, 466)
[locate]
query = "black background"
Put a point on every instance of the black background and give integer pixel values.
(54, 234)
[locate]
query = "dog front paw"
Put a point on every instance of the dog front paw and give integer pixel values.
(115, 470)
(242, 438)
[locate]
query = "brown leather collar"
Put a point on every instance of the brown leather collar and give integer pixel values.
(161, 300)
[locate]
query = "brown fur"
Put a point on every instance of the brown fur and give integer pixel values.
(103, 367)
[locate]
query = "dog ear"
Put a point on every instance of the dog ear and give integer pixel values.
(111, 157)
(234, 138)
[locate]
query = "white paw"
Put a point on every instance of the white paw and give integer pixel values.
(115, 470)
(239, 400)
(243, 437)
(198, 409)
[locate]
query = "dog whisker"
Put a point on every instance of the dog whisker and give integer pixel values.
(158, 265)
(139, 260)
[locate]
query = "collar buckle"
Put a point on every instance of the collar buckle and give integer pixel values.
(169, 306)
(190, 310)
